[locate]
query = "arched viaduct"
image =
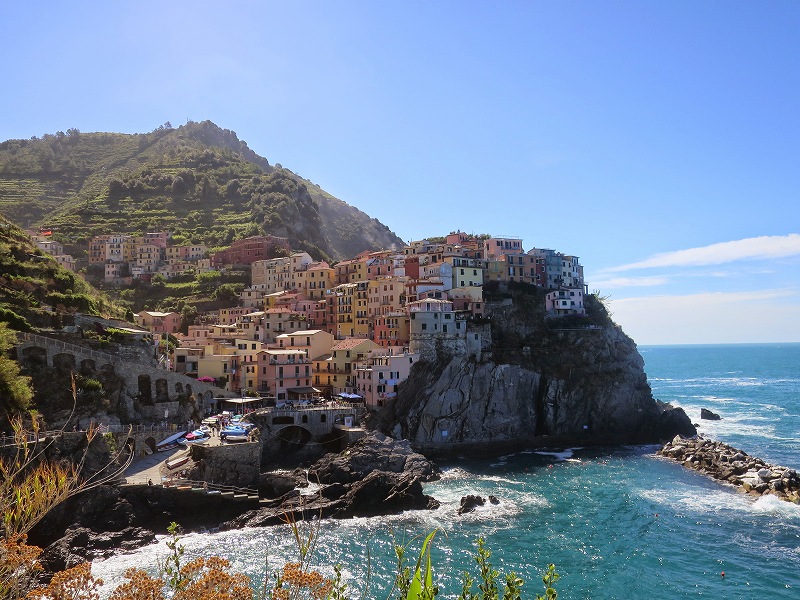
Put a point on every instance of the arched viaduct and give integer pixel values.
(148, 394)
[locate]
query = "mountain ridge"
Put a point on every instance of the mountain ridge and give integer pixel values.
(199, 181)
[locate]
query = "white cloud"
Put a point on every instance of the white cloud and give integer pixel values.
(619, 282)
(764, 247)
(711, 318)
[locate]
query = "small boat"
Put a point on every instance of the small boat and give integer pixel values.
(234, 430)
(236, 438)
(170, 442)
(178, 462)
(196, 435)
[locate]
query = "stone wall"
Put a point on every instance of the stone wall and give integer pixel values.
(228, 464)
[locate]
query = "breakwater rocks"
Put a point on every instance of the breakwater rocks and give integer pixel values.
(726, 463)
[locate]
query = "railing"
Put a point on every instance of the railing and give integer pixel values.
(150, 429)
(29, 438)
(62, 345)
(331, 405)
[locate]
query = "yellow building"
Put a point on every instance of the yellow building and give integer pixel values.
(349, 271)
(335, 373)
(314, 279)
(312, 342)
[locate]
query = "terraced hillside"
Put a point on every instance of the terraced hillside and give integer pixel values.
(35, 291)
(199, 181)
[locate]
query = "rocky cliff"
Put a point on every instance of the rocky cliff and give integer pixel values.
(544, 383)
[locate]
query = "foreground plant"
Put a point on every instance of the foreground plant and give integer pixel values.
(488, 579)
(31, 485)
(297, 580)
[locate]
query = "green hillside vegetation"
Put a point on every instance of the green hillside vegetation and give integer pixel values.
(37, 292)
(186, 294)
(199, 181)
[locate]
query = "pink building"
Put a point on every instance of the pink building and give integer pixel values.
(158, 322)
(565, 301)
(379, 376)
(283, 374)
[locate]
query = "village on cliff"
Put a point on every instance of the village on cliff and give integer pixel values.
(304, 329)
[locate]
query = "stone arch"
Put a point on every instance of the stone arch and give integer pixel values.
(145, 389)
(162, 390)
(34, 356)
(304, 419)
(88, 366)
(64, 362)
(150, 442)
(179, 388)
(293, 438)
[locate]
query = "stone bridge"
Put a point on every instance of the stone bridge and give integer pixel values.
(289, 429)
(150, 394)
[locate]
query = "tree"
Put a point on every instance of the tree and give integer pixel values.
(188, 316)
(15, 389)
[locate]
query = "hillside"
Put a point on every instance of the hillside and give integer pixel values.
(199, 181)
(35, 291)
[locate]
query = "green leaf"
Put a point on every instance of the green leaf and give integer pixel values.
(415, 591)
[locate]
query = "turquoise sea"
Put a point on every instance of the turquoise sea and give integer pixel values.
(618, 523)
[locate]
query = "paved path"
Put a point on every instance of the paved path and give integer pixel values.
(149, 467)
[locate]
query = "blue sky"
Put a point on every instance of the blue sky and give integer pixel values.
(658, 141)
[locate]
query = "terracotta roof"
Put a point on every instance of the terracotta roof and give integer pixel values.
(349, 343)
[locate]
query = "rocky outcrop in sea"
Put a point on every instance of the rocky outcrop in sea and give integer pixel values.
(377, 475)
(585, 386)
(730, 465)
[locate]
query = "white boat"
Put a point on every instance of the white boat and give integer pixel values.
(170, 442)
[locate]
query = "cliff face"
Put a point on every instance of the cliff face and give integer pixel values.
(538, 387)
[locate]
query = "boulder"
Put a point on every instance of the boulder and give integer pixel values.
(708, 415)
(470, 503)
(82, 544)
(374, 452)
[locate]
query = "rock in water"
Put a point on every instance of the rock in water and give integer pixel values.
(708, 415)
(374, 452)
(470, 503)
